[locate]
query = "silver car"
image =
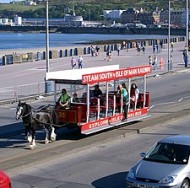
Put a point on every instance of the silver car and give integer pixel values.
(165, 165)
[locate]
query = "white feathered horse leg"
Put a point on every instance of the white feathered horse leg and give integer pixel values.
(53, 135)
(47, 135)
(33, 141)
(33, 144)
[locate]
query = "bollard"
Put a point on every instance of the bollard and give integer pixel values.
(50, 55)
(75, 52)
(71, 52)
(61, 53)
(66, 53)
(4, 62)
(84, 51)
(88, 50)
(105, 48)
(44, 55)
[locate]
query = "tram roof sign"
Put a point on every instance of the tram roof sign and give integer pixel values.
(116, 74)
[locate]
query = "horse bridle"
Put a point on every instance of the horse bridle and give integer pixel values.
(21, 112)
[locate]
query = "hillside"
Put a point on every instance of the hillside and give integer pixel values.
(89, 9)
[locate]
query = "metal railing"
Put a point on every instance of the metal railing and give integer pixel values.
(16, 93)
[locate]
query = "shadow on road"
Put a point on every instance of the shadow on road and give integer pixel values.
(111, 181)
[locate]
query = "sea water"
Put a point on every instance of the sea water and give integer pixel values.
(38, 40)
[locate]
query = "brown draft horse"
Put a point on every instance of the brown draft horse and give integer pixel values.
(34, 119)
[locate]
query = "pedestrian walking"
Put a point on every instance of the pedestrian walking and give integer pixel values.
(118, 49)
(143, 49)
(155, 62)
(150, 60)
(124, 45)
(157, 48)
(161, 46)
(154, 48)
(80, 62)
(172, 46)
(73, 63)
(185, 57)
(108, 56)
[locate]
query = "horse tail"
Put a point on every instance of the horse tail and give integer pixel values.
(54, 116)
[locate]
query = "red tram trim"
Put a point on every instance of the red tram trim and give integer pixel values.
(113, 119)
(116, 74)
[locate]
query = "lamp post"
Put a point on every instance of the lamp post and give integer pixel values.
(187, 28)
(169, 20)
(47, 84)
(47, 38)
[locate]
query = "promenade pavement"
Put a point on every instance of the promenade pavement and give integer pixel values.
(34, 72)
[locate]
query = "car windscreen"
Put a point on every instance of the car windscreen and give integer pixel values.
(168, 153)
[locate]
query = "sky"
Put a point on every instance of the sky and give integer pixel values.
(7, 1)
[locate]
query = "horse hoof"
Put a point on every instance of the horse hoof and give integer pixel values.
(53, 138)
(46, 141)
(32, 147)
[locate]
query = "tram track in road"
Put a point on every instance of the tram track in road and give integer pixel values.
(20, 157)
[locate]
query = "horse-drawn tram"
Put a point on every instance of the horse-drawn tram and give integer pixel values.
(91, 112)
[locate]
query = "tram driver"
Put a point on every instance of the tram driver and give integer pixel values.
(64, 99)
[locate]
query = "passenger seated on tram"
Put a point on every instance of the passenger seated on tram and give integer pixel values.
(64, 99)
(134, 95)
(97, 92)
(75, 98)
(84, 97)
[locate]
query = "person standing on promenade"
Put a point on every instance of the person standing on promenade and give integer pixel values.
(97, 50)
(154, 48)
(185, 57)
(92, 50)
(118, 49)
(172, 46)
(73, 63)
(161, 45)
(80, 62)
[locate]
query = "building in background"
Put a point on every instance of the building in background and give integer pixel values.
(17, 20)
(112, 14)
(6, 21)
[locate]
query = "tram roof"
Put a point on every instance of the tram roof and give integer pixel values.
(75, 75)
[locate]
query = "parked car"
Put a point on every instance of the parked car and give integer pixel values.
(5, 181)
(166, 164)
